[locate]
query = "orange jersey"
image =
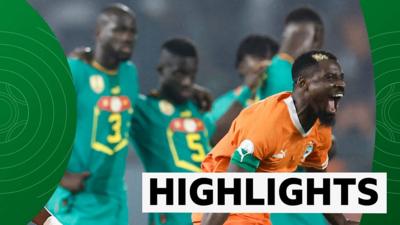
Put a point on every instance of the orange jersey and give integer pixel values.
(268, 137)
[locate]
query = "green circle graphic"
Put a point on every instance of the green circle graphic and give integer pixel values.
(37, 112)
(384, 37)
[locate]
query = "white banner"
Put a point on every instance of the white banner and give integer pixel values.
(264, 192)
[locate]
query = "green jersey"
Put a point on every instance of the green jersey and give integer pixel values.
(222, 104)
(104, 104)
(279, 76)
(170, 138)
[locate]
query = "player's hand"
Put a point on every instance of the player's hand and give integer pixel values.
(83, 53)
(298, 39)
(253, 81)
(74, 182)
(202, 97)
(253, 71)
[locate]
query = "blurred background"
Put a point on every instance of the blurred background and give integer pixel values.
(217, 27)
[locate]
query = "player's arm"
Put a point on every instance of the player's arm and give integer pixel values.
(224, 122)
(298, 39)
(333, 218)
(243, 160)
(339, 219)
(220, 218)
(202, 97)
(74, 182)
(44, 217)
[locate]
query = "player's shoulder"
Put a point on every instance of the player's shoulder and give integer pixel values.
(128, 68)
(283, 58)
(129, 64)
(76, 62)
(265, 115)
(142, 99)
(148, 101)
(274, 104)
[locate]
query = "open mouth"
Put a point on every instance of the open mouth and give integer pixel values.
(333, 102)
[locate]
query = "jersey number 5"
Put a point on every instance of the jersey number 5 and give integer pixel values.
(192, 140)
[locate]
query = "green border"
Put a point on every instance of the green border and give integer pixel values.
(37, 112)
(382, 19)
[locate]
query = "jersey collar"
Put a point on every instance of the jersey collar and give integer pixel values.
(294, 117)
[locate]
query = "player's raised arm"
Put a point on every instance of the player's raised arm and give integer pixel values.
(220, 218)
(252, 58)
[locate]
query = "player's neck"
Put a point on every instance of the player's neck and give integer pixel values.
(305, 113)
(108, 61)
(164, 94)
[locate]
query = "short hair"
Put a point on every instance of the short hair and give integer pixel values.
(180, 47)
(309, 59)
(303, 14)
(116, 9)
(256, 45)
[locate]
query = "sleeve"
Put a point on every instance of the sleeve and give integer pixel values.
(210, 125)
(318, 158)
(248, 144)
(279, 75)
(76, 72)
(135, 82)
(138, 120)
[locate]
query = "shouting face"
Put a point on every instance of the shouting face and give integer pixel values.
(325, 88)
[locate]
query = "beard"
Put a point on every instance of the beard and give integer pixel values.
(327, 119)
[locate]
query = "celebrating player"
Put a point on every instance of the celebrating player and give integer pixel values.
(303, 31)
(170, 132)
(92, 190)
(252, 58)
(282, 132)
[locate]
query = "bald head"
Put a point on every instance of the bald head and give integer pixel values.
(113, 12)
(116, 32)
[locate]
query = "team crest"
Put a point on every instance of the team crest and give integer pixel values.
(97, 83)
(116, 104)
(166, 107)
(245, 148)
(309, 149)
(190, 125)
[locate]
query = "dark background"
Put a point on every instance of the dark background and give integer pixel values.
(217, 28)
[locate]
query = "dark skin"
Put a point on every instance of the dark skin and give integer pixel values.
(177, 75)
(40, 218)
(311, 95)
(301, 37)
(298, 38)
(115, 38)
